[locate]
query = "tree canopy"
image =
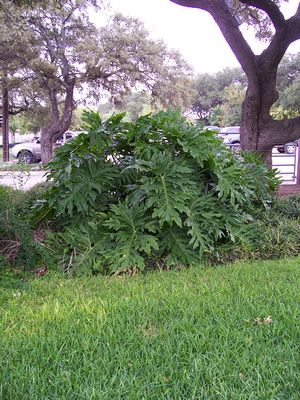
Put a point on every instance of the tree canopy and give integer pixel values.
(209, 91)
(71, 56)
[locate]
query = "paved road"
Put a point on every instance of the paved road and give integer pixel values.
(23, 180)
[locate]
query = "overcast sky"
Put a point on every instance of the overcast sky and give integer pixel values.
(191, 31)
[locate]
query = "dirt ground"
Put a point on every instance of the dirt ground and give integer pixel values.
(286, 190)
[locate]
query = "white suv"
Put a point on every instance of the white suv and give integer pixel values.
(30, 152)
(230, 135)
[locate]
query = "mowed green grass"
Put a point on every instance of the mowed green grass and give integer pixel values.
(187, 334)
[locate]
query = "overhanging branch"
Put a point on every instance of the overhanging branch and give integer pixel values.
(281, 40)
(227, 23)
(270, 8)
(192, 3)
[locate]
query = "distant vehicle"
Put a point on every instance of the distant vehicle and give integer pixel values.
(30, 152)
(231, 136)
(211, 128)
(288, 148)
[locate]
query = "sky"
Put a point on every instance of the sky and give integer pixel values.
(191, 31)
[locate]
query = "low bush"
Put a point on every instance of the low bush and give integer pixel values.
(278, 229)
(18, 241)
(277, 234)
(158, 191)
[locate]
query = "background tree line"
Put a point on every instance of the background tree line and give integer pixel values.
(53, 58)
(218, 97)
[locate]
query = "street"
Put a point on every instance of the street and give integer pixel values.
(23, 180)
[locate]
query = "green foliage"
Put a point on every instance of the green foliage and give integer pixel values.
(278, 229)
(157, 189)
(131, 237)
(276, 233)
(233, 98)
(17, 244)
(289, 98)
(210, 93)
(134, 104)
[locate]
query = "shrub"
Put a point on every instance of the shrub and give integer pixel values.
(278, 229)
(17, 244)
(160, 188)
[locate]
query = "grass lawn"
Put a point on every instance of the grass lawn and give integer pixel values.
(191, 334)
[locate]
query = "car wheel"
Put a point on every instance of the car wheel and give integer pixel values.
(236, 147)
(25, 157)
(290, 148)
(280, 149)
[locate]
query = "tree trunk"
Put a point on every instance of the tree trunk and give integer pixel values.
(5, 131)
(254, 124)
(259, 131)
(59, 124)
(46, 146)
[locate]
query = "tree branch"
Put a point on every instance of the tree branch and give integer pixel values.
(192, 3)
(230, 30)
(270, 8)
(280, 42)
(286, 130)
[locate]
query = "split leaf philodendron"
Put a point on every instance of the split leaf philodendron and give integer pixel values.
(158, 190)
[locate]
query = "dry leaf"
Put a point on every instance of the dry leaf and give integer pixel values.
(263, 321)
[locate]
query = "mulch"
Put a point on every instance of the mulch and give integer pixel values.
(287, 190)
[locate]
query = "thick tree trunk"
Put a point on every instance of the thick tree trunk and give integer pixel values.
(5, 130)
(254, 124)
(59, 124)
(46, 146)
(259, 131)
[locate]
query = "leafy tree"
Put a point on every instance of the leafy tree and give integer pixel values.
(232, 104)
(279, 113)
(288, 71)
(12, 51)
(209, 90)
(137, 104)
(218, 97)
(71, 54)
(134, 104)
(290, 97)
(259, 131)
(215, 118)
(207, 96)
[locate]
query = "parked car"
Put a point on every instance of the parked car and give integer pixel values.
(288, 148)
(30, 152)
(211, 128)
(231, 136)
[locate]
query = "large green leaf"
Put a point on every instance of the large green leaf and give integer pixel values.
(168, 186)
(130, 229)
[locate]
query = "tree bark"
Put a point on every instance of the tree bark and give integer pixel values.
(59, 123)
(5, 130)
(259, 131)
